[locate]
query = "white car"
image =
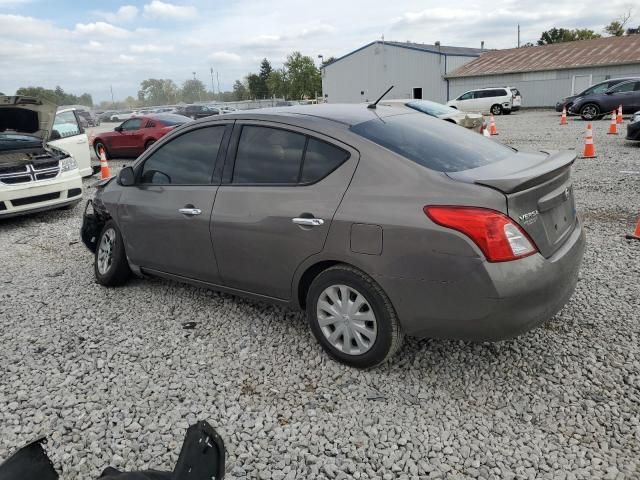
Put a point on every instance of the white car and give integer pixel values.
(121, 116)
(68, 135)
(496, 100)
(34, 175)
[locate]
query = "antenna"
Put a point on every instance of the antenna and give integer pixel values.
(374, 104)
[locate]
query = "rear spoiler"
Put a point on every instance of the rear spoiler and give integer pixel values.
(524, 170)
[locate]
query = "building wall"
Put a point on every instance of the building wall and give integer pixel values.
(375, 68)
(544, 88)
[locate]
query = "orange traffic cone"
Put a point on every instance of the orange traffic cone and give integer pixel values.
(563, 118)
(636, 234)
(104, 165)
(492, 126)
(619, 119)
(589, 148)
(613, 126)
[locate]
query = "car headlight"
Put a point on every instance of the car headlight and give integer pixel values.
(67, 164)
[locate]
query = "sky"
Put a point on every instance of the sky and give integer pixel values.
(92, 46)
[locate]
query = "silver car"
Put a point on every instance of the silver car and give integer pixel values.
(378, 222)
(472, 121)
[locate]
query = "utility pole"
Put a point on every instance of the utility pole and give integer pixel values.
(218, 80)
(518, 35)
(213, 89)
(112, 102)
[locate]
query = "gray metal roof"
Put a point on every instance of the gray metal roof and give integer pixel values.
(583, 53)
(423, 47)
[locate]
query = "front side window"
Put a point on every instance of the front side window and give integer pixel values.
(466, 96)
(268, 155)
(186, 160)
(66, 124)
(432, 143)
(133, 124)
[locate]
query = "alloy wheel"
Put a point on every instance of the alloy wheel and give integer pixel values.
(590, 112)
(346, 319)
(105, 251)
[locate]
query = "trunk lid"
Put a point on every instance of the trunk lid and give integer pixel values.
(539, 193)
(27, 115)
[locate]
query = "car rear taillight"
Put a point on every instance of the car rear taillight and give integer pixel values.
(499, 238)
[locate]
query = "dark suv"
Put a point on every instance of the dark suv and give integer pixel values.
(198, 111)
(596, 105)
(597, 88)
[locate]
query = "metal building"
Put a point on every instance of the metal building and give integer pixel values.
(416, 70)
(545, 74)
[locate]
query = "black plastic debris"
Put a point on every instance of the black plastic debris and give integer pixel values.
(29, 463)
(201, 458)
(189, 325)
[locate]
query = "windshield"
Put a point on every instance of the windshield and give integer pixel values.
(431, 108)
(11, 141)
(432, 143)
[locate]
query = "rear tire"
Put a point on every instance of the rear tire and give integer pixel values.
(361, 313)
(496, 109)
(110, 261)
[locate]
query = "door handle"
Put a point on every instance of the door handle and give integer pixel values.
(308, 222)
(190, 211)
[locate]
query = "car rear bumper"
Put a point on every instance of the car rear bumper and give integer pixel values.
(19, 199)
(491, 301)
(633, 131)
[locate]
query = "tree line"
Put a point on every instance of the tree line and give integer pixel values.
(617, 28)
(57, 96)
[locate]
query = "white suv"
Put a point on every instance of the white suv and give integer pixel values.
(34, 175)
(496, 100)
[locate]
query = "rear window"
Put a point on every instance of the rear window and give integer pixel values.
(515, 91)
(432, 143)
(169, 120)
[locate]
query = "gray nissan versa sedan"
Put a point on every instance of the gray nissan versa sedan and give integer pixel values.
(379, 222)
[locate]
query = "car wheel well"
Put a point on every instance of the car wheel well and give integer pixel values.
(309, 275)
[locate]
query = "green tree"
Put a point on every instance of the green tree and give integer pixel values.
(240, 91)
(193, 91)
(57, 96)
(327, 61)
(277, 83)
(561, 35)
(158, 91)
(265, 71)
(615, 29)
(254, 83)
(303, 77)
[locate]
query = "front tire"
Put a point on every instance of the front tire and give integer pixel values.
(110, 261)
(352, 317)
(97, 146)
(496, 109)
(148, 144)
(590, 112)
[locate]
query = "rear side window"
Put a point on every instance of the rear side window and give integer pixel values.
(268, 155)
(320, 159)
(625, 87)
(186, 160)
(515, 91)
(432, 143)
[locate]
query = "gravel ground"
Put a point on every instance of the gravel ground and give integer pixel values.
(113, 378)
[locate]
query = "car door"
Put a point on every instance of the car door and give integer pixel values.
(465, 101)
(622, 94)
(281, 188)
(132, 136)
(165, 217)
(71, 137)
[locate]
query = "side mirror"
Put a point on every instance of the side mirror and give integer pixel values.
(118, 128)
(126, 177)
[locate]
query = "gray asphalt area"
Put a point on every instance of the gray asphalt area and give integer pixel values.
(112, 378)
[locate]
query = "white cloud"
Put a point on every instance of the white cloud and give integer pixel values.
(102, 29)
(161, 9)
(151, 48)
(122, 58)
(225, 57)
(125, 13)
(19, 26)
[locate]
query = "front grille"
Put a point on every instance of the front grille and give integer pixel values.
(42, 168)
(16, 179)
(74, 192)
(18, 202)
(46, 176)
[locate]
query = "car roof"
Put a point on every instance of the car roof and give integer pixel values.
(348, 114)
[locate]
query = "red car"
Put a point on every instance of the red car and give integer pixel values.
(135, 135)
